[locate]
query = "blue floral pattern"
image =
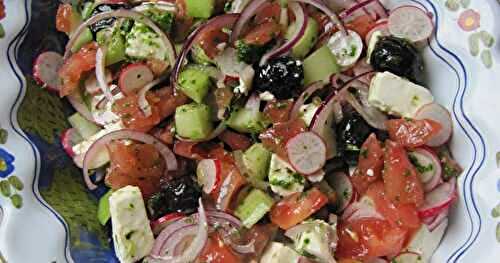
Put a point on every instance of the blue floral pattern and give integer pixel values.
(6, 163)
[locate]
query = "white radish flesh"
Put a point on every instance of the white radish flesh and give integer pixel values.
(438, 199)
(427, 164)
(91, 85)
(342, 185)
(411, 23)
(46, 68)
(134, 77)
(438, 113)
(208, 174)
(306, 152)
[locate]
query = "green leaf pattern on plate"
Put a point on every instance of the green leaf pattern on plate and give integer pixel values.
(10, 187)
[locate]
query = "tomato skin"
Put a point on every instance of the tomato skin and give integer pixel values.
(297, 207)
(215, 251)
(275, 138)
(263, 33)
(369, 238)
(268, 12)
(64, 18)
(278, 110)
(227, 188)
(412, 133)
(361, 25)
(136, 164)
(235, 140)
(370, 164)
(401, 180)
(209, 39)
(73, 68)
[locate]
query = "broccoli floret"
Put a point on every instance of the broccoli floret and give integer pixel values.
(250, 53)
(163, 19)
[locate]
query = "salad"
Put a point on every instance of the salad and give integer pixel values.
(256, 130)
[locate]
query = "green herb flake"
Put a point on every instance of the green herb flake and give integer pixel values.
(16, 183)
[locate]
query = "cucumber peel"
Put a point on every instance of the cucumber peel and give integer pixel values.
(253, 207)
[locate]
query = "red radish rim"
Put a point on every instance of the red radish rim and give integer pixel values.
(380, 25)
(321, 142)
(449, 128)
(159, 224)
(439, 199)
(438, 220)
(66, 141)
(420, 10)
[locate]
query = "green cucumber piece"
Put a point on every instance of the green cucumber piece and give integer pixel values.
(84, 127)
(115, 49)
(307, 41)
(253, 207)
(84, 38)
(257, 159)
(247, 121)
(199, 56)
(200, 8)
(87, 9)
(320, 65)
(195, 83)
(103, 214)
(192, 121)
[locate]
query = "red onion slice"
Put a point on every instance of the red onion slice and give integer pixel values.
(76, 101)
(100, 73)
(371, 114)
(246, 15)
(325, 9)
(142, 101)
(253, 103)
(218, 21)
(301, 19)
(304, 96)
(351, 10)
(99, 145)
(125, 14)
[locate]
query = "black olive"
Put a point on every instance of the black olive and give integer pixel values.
(352, 132)
(178, 195)
(108, 22)
(398, 56)
(282, 77)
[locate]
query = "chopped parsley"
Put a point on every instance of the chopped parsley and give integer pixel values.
(420, 167)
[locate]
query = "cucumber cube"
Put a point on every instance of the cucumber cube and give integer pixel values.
(246, 121)
(192, 121)
(255, 205)
(257, 159)
(307, 41)
(200, 8)
(84, 127)
(195, 83)
(320, 65)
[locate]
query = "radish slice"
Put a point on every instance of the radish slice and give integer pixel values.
(302, 147)
(438, 199)
(134, 77)
(46, 68)
(411, 23)
(342, 185)
(382, 26)
(440, 114)
(440, 218)
(208, 174)
(365, 208)
(346, 48)
(408, 257)
(70, 138)
(427, 164)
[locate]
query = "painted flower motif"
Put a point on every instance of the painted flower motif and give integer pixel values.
(6, 163)
(469, 20)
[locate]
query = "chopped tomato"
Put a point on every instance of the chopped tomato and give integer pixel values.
(202, 150)
(210, 39)
(64, 18)
(268, 12)
(263, 33)
(73, 68)
(163, 103)
(261, 236)
(403, 215)
(166, 135)
(321, 18)
(275, 138)
(157, 66)
(347, 260)
(368, 238)
(278, 110)
(2, 10)
(370, 164)
(412, 133)
(135, 164)
(236, 141)
(361, 25)
(297, 207)
(215, 251)
(401, 180)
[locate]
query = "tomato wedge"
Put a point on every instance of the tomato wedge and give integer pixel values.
(275, 138)
(263, 33)
(268, 12)
(73, 68)
(297, 207)
(361, 24)
(278, 110)
(370, 164)
(215, 251)
(412, 133)
(236, 141)
(401, 180)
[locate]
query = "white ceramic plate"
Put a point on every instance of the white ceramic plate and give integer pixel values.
(464, 75)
